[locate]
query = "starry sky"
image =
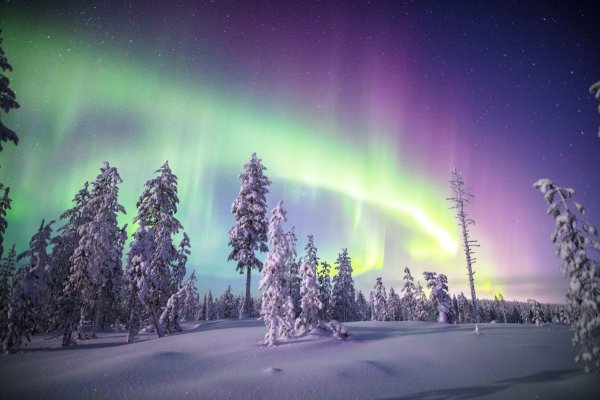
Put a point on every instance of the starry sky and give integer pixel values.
(359, 111)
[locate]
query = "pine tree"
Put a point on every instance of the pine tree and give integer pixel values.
(249, 234)
(409, 300)
(96, 262)
(324, 288)
(378, 302)
(462, 198)
(574, 239)
(277, 308)
(30, 291)
(343, 289)
(310, 303)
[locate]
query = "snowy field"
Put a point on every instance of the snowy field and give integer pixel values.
(382, 360)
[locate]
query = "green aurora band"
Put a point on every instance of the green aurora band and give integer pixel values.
(80, 106)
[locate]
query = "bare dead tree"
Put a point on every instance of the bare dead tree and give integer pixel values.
(462, 197)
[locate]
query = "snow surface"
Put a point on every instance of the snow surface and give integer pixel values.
(224, 360)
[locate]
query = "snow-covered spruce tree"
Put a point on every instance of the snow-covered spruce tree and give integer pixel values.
(140, 283)
(227, 304)
(499, 299)
(9, 102)
(409, 300)
(211, 309)
(464, 309)
(178, 272)
(4, 207)
(30, 291)
(310, 303)
(292, 266)
(455, 311)
(185, 297)
(422, 306)
(378, 301)
(462, 196)
(573, 238)
(362, 307)
(7, 270)
(202, 313)
(192, 299)
(393, 306)
(249, 234)
(64, 245)
(277, 308)
(343, 289)
(157, 207)
(96, 262)
(170, 317)
(535, 312)
(324, 288)
(438, 284)
(595, 88)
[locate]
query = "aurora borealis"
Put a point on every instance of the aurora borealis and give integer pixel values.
(358, 111)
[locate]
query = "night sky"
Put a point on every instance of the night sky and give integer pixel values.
(359, 111)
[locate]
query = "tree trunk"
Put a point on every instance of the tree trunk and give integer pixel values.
(80, 328)
(246, 311)
(442, 317)
(159, 329)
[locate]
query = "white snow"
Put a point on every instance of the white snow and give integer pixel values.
(225, 360)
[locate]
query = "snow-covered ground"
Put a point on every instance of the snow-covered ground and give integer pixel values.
(224, 360)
